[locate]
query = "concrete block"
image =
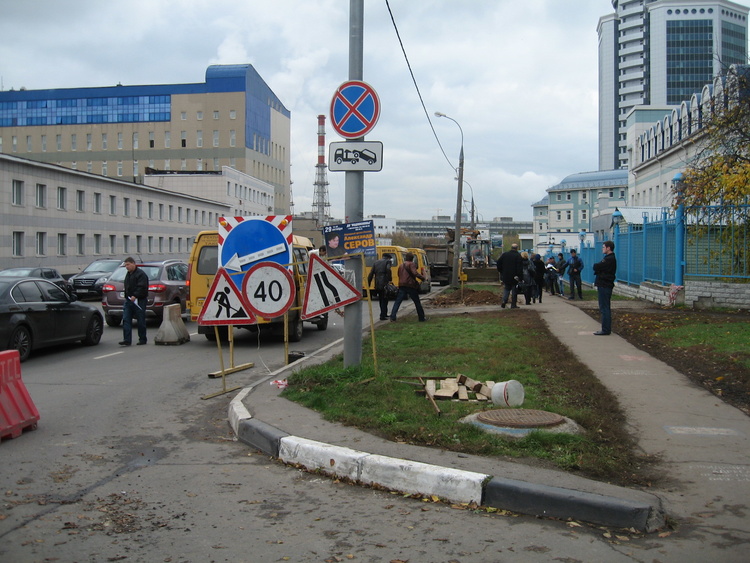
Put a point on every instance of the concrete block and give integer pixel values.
(318, 456)
(261, 436)
(414, 477)
(172, 329)
(642, 512)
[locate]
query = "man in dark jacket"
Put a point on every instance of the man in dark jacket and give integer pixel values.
(605, 272)
(381, 272)
(136, 299)
(408, 286)
(575, 266)
(562, 265)
(510, 267)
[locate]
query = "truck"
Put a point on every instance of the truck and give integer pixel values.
(476, 264)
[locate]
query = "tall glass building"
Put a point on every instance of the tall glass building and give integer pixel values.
(658, 53)
(232, 119)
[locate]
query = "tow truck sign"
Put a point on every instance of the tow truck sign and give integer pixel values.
(360, 156)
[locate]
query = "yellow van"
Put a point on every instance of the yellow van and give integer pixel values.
(423, 267)
(398, 253)
(203, 263)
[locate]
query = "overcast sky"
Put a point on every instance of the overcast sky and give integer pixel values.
(520, 76)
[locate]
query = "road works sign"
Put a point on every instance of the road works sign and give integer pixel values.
(355, 109)
(269, 289)
(326, 289)
(224, 305)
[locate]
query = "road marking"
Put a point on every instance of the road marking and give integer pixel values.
(107, 355)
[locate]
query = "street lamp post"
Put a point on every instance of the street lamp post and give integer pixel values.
(459, 201)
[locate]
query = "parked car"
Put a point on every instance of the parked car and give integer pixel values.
(91, 279)
(35, 313)
(167, 284)
(49, 274)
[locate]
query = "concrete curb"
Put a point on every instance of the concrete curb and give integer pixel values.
(458, 486)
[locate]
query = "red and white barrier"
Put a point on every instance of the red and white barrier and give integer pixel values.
(17, 410)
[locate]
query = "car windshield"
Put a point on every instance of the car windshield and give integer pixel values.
(101, 267)
(17, 272)
(151, 271)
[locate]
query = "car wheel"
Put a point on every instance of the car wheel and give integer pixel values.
(94, 331)
(223, 334)
(113, 321)
(322, 324)
(295, 329)
(21, 340)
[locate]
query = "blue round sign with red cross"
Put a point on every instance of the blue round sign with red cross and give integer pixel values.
(355, 109)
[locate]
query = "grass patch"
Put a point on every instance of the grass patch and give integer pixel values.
(727, 339)
(483, 346)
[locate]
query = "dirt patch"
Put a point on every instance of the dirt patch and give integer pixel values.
(467, 296)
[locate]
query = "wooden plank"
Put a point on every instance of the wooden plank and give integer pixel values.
(445, 393)
(431, 399)
(484, 390)
(451, 384)
(430, 387)
(490, 384)
(463, 394)
(481, 397)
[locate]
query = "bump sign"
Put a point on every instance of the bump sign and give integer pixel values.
(268, 289)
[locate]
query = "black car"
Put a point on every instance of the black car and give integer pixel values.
(49, 274)
(35, 313)
(90, 281)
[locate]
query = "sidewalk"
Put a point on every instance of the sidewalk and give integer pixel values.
(703, 443)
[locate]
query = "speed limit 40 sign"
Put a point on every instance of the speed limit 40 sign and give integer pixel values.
(268, 289)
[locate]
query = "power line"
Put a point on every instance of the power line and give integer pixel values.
(416, 86)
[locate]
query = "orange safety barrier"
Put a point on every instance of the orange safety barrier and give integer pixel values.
(17, 410)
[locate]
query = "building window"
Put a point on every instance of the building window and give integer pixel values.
(138, 243)
(567, 215)
(161, 212)
(161, 244)
(126, 207)
(113, 205)
(559, 197)
(17, 196)
(151, 139)
(17, 243)
(559, 215)
(104, 168)
(150, 209)
(199, 164)
(135, 139)
(187, 215)
(179, 214)
(29, 143)
(171, 212)
(568, 196)
(232, 114)
(216, 164)
(80, 200)
(41, 196)
(44, 143)
(183, 115)
(150, 245)
(119, 168)
(139, 208)
(167, 139)
(97, 202)
(62, 198)
(199, 116)
(112, 244)
(171, 244)
(216, 114)
(183, 164)
(89, 167)
(199, 138)
(119, 141)
(62, 244)
(58, 141)
(80, 244)
(41, 244)
(183, 139)
(104, 141)
(74, 142)
(14, 143)
(135, 168)
(126, 243)
(97, 244)
(88, 142)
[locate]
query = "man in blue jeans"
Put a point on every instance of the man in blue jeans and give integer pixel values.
(408, 286)
(606, 273)
(575, 265)
(135, 289)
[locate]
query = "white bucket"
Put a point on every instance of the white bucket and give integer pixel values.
(508, 394)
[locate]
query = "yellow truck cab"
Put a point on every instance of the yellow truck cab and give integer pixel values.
(398, 253)
(204, 262)
(423, 267)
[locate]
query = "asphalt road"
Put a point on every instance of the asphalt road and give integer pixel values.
(130, 463)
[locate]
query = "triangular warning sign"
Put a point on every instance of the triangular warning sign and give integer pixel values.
(224, 304)
(326, 289)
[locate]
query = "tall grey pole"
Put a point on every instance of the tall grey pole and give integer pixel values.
(354, 194)
(459, 202)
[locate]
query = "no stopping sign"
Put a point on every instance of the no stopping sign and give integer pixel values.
(269, 289)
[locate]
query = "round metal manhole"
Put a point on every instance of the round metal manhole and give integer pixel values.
(520, 418)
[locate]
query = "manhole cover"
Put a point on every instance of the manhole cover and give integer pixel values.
(520, 418)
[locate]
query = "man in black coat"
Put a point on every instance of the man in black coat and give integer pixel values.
(381, 272)
(510, 268)
(136, 298)
(606, 272)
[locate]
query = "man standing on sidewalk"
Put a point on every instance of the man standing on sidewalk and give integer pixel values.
(606, 272)
(510, 267)
(575, 265)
